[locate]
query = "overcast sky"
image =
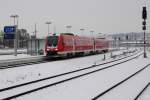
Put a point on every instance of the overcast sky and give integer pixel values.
(102, 16)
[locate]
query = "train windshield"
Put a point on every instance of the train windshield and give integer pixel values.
(52, 41)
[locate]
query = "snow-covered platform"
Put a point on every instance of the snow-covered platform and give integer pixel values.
(11, 51)
(10, 57)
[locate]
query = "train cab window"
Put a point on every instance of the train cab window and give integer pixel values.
(52, 41)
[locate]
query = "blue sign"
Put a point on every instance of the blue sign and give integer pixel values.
(9, 29)
(9, 36)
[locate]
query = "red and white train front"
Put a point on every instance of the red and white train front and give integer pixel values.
(51, 47)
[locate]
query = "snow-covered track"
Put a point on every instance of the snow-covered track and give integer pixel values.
(142, 91)
(4, 64)
(13, 63)
(121, 82)
(56, 81)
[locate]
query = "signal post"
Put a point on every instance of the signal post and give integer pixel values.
(144, 16)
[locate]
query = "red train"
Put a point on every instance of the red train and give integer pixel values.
(68, 44)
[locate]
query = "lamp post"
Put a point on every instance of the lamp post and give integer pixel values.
(68, 28)
(16, 37)
(82, 31)
(48, 23)
(92, 32)
(100, 35)
(15, 16)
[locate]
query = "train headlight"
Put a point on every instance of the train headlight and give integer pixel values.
(56, 49)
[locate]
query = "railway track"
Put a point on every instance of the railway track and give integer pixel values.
(56, 79)
(23, 64)
(142, 91)
(5, 64)
(121, 82)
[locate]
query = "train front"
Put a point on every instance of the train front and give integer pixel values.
(51, 47)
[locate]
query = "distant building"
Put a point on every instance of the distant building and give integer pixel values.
(22, 35)
(133, 38)
(1, 39)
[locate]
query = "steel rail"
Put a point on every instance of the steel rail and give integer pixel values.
(137, 97)
(58, 75)
(13, 63)
(65, 80)
(119, 83)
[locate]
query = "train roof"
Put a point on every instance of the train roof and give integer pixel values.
(101, 38)
(67, 34)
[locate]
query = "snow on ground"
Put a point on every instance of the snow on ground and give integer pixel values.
(83, 88)
(145, 95)
(89, 86)
(10, 57)
(30, 72)
(130, 89)
(8, 54)
(11, 51)
(14, 76)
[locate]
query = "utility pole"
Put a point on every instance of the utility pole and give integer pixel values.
(35, 39)
(35, 31)
(16, 34)
(127, 38)
(115, 44)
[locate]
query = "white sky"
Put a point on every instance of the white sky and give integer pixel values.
(105, 16)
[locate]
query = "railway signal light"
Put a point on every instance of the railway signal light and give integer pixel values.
(144, 27)
(144, 16)
(144, 22)
(144, 13)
